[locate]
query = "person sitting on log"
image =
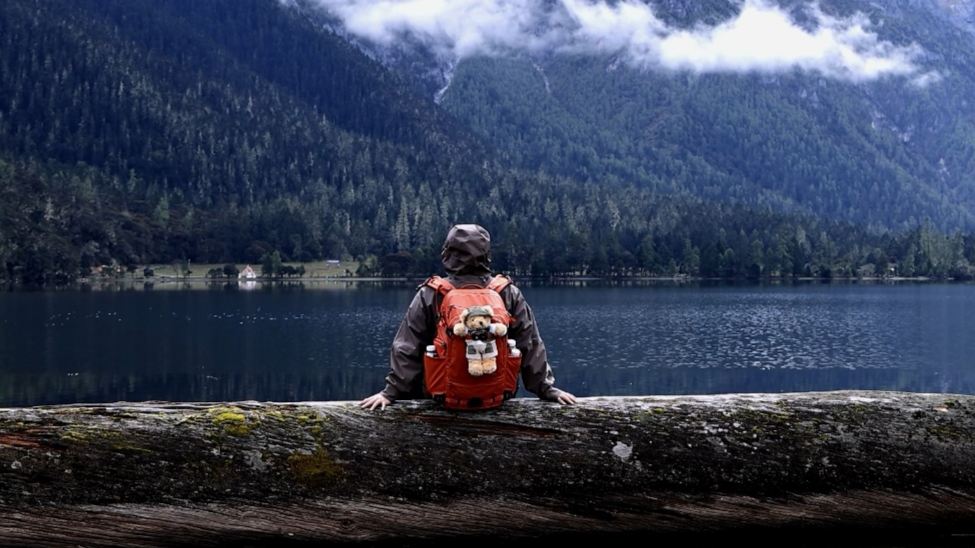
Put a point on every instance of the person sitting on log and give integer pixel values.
(466, 259)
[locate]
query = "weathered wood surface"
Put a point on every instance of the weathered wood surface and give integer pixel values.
(207, 474)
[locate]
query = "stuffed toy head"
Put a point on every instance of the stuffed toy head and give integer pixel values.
(476, 317)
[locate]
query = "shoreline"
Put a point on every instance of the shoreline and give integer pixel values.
(558, 280)
(169, 281)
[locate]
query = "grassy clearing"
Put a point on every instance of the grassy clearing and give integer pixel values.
(314, 269)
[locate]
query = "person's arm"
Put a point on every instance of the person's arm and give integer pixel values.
(536, 373)
(415, 332)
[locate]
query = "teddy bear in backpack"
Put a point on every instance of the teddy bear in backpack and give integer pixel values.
(481, 336)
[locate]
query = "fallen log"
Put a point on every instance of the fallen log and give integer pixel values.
(208, 474)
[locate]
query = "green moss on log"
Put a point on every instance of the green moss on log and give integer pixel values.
(315, 470)
(232, 420)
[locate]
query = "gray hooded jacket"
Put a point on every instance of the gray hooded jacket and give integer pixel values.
(466, 258)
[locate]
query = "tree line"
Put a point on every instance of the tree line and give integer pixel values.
(54, 227)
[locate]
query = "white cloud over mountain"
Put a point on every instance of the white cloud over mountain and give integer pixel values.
(761, 37)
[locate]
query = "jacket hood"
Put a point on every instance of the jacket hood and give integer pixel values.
(467, 250)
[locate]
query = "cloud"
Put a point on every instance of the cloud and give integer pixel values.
(761, 37)
(459, 27)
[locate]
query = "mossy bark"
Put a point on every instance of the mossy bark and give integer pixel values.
(159, 473)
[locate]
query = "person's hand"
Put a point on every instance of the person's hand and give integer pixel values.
(563, 397)
(566, 398)
(374, 401)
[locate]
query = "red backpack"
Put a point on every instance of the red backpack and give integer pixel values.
(446, 370)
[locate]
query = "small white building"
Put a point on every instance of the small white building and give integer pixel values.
(247, 274)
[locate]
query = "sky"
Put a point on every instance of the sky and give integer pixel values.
(761, 37)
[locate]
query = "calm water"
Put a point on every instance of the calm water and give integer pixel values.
(326, 343)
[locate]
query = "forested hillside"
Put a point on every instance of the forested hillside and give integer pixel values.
(137, 131)
(889, 152)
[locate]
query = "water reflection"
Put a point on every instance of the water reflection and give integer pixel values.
(246, 285)
(308, 341)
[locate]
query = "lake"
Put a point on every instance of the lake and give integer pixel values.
(331, 341)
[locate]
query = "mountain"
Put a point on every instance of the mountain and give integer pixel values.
(219, 131)
(138, 131)
(888, 153)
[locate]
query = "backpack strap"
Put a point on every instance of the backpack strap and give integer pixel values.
(439, 285)
(499, 282)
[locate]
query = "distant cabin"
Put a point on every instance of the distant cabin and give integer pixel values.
(247, 274)
(332, 261)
